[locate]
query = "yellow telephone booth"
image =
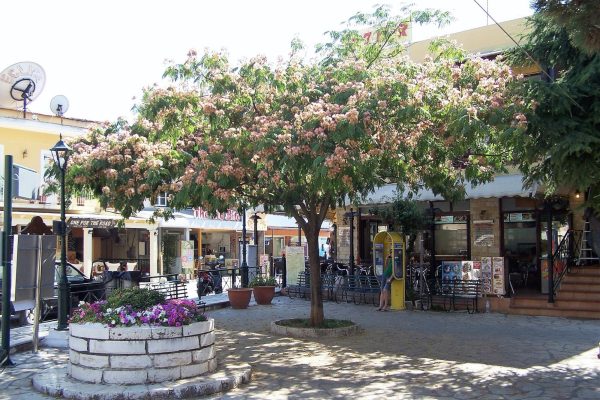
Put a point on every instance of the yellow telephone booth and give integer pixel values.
(391, 244)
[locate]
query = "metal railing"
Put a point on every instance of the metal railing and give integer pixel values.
(563, 257)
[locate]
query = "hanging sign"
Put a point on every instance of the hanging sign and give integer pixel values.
(75, 222)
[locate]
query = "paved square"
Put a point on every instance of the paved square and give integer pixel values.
(409, 354)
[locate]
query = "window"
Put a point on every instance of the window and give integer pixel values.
(162, 200)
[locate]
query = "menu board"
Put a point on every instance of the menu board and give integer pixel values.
(498, 275)
(486, 274)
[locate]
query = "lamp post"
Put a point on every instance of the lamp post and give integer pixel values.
(244, 262)
(60, 153)
(350, 215)
(255, 219)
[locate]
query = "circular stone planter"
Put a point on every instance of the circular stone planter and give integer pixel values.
(140, 354)
(283, 330)
(263, 295)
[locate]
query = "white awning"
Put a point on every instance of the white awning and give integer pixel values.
(501, 186)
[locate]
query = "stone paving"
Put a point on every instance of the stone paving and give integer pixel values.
(408, 354)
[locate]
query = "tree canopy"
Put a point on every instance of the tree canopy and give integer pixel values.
(579, 18)
(306, 136)
(562, 146)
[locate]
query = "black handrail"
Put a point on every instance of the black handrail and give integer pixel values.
(563, 258)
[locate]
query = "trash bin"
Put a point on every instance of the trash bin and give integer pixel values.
(130, 279)
(111, 281)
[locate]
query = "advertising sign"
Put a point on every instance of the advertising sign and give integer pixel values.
(187, 254)
(498, 275)
(28, 251)
(294, 262)
(486, 274)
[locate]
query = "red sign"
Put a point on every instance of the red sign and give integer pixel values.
(229, 215)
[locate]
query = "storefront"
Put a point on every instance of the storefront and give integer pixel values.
(499, 223)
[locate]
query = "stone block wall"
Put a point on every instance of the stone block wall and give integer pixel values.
(140, 354)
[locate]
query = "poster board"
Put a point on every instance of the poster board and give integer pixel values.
(486, 274)
(484, 235)
(24, 263)
(451, 271)
(498, 287)
(265, 262)
(294, 263)
(466, 270)
(187, 255)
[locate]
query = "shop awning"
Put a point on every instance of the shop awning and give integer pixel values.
(501, 186)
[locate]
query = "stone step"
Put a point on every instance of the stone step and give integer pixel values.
(595, 271)
(579, 287)
(578, 295)
(555, 312)
(582, 278)
(565, 304)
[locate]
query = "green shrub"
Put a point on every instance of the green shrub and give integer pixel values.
(261, 280)
(138, 299)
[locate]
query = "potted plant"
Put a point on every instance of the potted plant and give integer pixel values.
(239, 298)
(264, 289)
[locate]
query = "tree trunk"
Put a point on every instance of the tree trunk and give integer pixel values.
(316, 294)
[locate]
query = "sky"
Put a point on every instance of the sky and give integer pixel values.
(101, 54)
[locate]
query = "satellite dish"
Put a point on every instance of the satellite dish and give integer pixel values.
(59, 105)
(21, 83)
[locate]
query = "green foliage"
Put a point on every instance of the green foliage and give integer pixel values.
(562, 146)
(307, 136)
(578, 17)
(138, 299)
(262, 280)
(406, 214)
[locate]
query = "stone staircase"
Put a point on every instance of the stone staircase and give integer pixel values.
(577, 297)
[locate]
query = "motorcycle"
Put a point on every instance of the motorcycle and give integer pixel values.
(208, 282)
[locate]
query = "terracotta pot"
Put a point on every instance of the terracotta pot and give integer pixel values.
(240, 297)
(264, 294)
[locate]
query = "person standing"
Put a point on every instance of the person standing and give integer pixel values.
(386, 285)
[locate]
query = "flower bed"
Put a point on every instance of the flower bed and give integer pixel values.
(171, 313)
(140, 354)
(136, 337)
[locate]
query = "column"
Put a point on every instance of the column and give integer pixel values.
(153, 251)
(88, 250)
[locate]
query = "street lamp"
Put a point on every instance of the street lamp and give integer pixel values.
(60, 153)
(244, 268)
(255, 218)
(350, 216)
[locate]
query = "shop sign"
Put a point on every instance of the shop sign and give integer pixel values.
(229, 215)
(91, 222)
(444, 219)
(519, 217)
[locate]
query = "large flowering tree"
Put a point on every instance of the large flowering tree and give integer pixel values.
(306, 136)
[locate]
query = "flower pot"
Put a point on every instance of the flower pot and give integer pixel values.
(264, 294)
(240, 297)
